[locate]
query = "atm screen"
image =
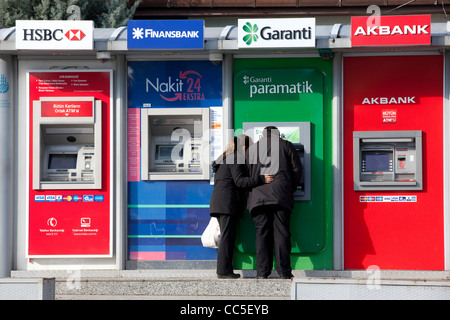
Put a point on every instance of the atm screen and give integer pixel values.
(164, 152)
(62, 161)
(376, 161)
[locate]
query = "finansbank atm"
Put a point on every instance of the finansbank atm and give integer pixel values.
(67, 143)
(175, 144)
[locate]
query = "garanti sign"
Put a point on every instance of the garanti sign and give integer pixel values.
(54, 34)
(303, 85)
(391, 30)
(277, 33)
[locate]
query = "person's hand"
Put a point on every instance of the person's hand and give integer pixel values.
(268, 178)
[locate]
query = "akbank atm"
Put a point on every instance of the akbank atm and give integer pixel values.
(175, 144)
(387, 160)
(299, 133)
(67, 143)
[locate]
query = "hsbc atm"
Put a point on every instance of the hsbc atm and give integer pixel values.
(67, 143)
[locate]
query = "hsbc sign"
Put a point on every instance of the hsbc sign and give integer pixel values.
(54, 34)
(391, 30)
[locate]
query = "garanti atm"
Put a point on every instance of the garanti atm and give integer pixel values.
(67, 143)
(387, 160)
(175, 144)
(299, 133)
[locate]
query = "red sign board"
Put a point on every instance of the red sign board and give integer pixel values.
(391, 30)
(392, 228)
(71, 223)
(66, 108)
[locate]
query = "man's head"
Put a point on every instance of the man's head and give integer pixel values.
(271, 131)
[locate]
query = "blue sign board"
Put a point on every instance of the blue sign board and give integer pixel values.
(165, 34)
(174, 84)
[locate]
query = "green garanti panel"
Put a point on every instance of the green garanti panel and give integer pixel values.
(292, 90)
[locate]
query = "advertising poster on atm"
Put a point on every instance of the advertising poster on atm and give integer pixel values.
(69, 164)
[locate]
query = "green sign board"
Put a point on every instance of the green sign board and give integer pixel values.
(292, 90)
(279, 85)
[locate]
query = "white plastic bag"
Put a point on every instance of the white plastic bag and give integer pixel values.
(211, 235)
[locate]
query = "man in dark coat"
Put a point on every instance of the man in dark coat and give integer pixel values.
(271, 204)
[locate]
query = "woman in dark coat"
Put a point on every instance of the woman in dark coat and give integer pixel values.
(227, 203)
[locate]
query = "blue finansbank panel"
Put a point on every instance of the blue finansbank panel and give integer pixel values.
(167, 218)
(165, 34)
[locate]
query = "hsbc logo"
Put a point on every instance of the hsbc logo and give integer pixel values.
(49, 35)
(54, 34)
(41, 35)
(75, 34)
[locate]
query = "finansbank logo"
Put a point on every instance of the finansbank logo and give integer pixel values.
(277, 33)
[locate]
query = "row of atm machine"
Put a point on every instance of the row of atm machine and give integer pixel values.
(175, 146)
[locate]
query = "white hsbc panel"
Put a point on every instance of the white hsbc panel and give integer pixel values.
(54, 34)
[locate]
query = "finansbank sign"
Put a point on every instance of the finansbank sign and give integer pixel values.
(277, 33)
(165, 34)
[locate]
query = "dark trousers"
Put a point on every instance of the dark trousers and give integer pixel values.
(272, 224)
(228, 225)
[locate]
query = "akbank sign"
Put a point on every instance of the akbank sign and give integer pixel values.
(165, 34)
(277, 33)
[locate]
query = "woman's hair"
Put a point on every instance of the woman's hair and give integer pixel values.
(235, 145)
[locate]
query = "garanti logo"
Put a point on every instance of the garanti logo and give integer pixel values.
(277, 33)
(251, 31)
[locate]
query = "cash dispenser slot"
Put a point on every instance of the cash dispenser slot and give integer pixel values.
(67, 148)
(387, 160)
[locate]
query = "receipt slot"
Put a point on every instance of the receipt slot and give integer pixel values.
(387, 160)
(67, 143)
(299, 133)
(175, 144)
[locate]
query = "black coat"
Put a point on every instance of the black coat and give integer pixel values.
(287, 172)
(231, 184)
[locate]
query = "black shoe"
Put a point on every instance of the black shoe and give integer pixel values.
(261, 277)
(290, 276)
(229, 276)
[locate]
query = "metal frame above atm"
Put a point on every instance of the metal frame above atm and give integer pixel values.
(387, 160)
(67, 143)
